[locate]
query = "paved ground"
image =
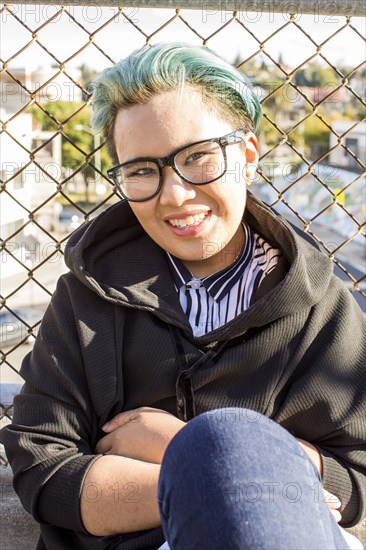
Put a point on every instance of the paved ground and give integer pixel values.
(18, 529)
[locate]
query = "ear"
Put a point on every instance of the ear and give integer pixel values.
(252, 156)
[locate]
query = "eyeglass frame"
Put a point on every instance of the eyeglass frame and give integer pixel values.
(235, 136)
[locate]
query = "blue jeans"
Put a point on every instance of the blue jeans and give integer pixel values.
(234, 479)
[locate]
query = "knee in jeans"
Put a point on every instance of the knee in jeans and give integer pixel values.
(228, 422)
(235, 424)
(231, 419)
(232, 416)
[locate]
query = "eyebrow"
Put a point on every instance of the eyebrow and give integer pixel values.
(137, 159)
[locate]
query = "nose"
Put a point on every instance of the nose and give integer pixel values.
(175, 191)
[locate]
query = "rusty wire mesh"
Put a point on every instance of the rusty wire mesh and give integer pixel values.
(298, 179)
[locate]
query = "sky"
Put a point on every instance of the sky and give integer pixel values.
(63, 36)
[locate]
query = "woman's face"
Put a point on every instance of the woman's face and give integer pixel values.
(213, 236)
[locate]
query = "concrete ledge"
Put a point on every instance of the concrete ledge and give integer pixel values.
(18, 529)
(359, 531)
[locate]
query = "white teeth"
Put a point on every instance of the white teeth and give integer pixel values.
(189, 221)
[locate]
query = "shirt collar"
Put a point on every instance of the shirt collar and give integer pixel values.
(219, 284)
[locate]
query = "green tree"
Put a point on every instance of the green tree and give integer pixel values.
(316, 137)
(87, 76)
(74, 120)
(314, 75)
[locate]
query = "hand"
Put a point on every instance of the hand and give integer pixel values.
(312, 453)
(331, 500)
(142, 434)
(333, 504)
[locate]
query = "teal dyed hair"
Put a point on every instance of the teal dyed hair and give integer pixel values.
(169, 66)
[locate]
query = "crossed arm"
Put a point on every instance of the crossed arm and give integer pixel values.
(127, 475)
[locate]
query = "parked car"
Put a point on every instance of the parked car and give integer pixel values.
(68, 221)
(14, 324)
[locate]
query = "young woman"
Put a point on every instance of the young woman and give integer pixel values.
(199, 374)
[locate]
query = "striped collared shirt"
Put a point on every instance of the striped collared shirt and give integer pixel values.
(213, 301)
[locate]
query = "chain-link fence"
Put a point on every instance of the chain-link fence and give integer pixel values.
(308, 70)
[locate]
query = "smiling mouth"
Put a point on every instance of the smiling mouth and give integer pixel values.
(189, 221)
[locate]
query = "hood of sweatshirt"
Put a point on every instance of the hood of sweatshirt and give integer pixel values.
(114, 257)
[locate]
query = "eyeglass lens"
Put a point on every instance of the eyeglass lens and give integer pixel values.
(199, 163)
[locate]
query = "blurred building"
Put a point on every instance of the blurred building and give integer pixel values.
(355, 140)
(29, 183)
(30, 166)
(47, 84)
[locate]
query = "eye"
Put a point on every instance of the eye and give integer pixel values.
(134, 171)
(194, 156)
(140, 172)
(197, 155)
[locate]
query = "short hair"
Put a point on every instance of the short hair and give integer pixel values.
(168, 66)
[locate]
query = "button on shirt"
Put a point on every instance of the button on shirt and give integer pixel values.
(213, 301)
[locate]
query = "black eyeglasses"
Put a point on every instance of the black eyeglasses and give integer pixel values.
(199, 163)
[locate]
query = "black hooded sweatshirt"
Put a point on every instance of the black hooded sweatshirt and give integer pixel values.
(115, 338)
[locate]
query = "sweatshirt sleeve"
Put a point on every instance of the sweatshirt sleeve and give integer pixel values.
(325, 397)
(49, 442)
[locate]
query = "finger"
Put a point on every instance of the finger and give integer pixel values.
(128, 416)
(336, 515)
(103, 445)
(121, 419)
(331, 500)
(333, 505)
